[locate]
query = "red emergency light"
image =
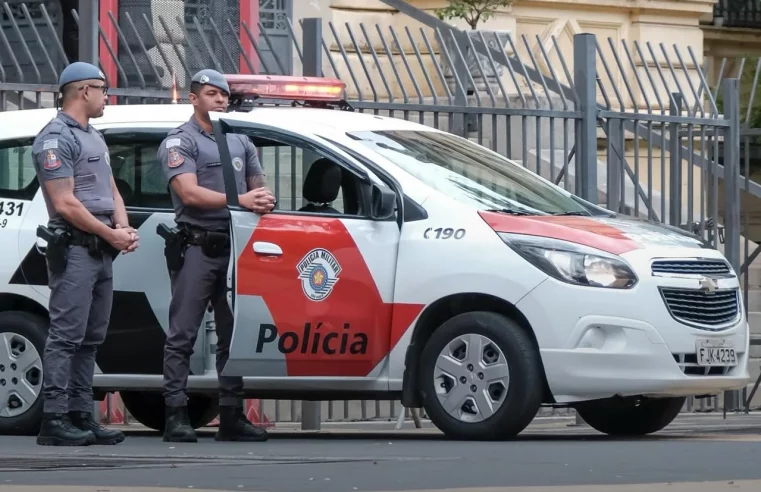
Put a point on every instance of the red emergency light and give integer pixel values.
(286, 87)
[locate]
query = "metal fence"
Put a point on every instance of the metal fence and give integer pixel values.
(637, 128)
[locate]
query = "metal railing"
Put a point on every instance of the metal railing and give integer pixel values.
(737, 13)
(669, 139)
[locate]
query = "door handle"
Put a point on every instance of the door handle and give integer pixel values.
(264, 248)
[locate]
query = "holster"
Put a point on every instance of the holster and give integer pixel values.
(57, 251)
(175, 244)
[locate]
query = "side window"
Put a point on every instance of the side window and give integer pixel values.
(137, 170)
(17, 175)
(306, 182)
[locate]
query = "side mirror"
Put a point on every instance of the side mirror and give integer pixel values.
(383, 203)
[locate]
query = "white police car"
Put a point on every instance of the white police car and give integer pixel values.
(402, 262)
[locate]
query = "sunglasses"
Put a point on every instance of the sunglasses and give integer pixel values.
(104, 88)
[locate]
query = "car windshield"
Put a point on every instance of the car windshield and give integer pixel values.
(469, 173)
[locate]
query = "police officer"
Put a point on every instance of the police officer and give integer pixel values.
(191, 161)
(87, 227)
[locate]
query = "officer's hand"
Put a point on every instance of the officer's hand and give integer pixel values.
(121, 238)
(259, 200)
(132, 247)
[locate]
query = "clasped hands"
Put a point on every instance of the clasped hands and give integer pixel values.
(259, 200)
(125, 239)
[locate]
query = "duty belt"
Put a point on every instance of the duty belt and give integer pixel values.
(213, 243)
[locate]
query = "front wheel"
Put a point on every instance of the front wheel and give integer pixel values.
(630, 416)
(480, 377)
(148, 409)
(22, 341)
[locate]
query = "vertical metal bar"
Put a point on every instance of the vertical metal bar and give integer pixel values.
(88, 31)
(615, 167)
(585, 75)
(675, 163)
(311, 67)
(732, 192)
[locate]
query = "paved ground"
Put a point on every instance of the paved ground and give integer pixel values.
(697, 453)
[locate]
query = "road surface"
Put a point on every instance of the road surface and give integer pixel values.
(697, 453)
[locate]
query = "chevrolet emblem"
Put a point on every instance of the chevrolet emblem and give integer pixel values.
(708, 285)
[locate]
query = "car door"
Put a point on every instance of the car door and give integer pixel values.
(311, 286)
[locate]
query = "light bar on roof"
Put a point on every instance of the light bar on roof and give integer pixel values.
(286, 87)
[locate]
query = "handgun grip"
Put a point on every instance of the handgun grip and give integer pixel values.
(45, 233)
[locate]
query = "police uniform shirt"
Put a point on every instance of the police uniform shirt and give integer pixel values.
(190, 149)
(65, 149)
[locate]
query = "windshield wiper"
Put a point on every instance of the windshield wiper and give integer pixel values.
(583, 214)
(511, 211)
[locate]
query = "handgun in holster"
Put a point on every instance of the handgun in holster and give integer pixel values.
(57, 251)
(175, 244)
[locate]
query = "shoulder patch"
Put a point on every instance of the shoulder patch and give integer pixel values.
(52, 162)
(50, 144)
(174, 158)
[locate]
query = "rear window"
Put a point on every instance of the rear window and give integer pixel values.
(17, 176)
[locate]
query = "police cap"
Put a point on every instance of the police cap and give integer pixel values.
(79, 71)
(211, 77)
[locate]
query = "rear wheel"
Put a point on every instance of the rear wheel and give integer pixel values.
(480, 377)
(22, 341)
(630, 416)
(148, 409)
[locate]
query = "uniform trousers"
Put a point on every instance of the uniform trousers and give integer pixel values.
(80, 307)
(200, 281)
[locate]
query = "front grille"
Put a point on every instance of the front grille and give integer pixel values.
(688, 363)
(691, 267)
(694, 307)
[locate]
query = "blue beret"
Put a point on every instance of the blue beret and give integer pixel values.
(211, 77)
(79, 71)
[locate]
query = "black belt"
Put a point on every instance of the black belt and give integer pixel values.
(213, 243)
(95, 244)
(80, 238)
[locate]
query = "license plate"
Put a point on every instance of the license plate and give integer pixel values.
(715, 352)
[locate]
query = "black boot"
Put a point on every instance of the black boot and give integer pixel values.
(57, 430)
(85, 421)
(177, 427)
(234, 426)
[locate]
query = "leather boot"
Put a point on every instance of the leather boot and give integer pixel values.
(234, 426)
(57, 430)
(85, 421)
(177, 427)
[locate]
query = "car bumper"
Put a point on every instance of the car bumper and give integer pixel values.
(599, 343)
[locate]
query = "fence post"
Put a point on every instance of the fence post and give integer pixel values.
(584, 79)
(732, 231)
(311, 67)
(675, 163)
(88, 31)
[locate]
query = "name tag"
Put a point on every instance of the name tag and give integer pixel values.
(93, 158)
(214, 164)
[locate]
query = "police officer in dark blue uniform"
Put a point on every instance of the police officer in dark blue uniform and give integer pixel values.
(198, 261)
(87, 228)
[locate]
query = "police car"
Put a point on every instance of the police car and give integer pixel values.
(401, 262)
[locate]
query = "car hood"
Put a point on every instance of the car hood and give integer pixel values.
(616, 235)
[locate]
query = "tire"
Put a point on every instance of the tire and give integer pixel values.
(520, 402)
(148, 409)
(630, 416)
(21, 332)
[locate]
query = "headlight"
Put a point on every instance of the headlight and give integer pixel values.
(571, 262)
